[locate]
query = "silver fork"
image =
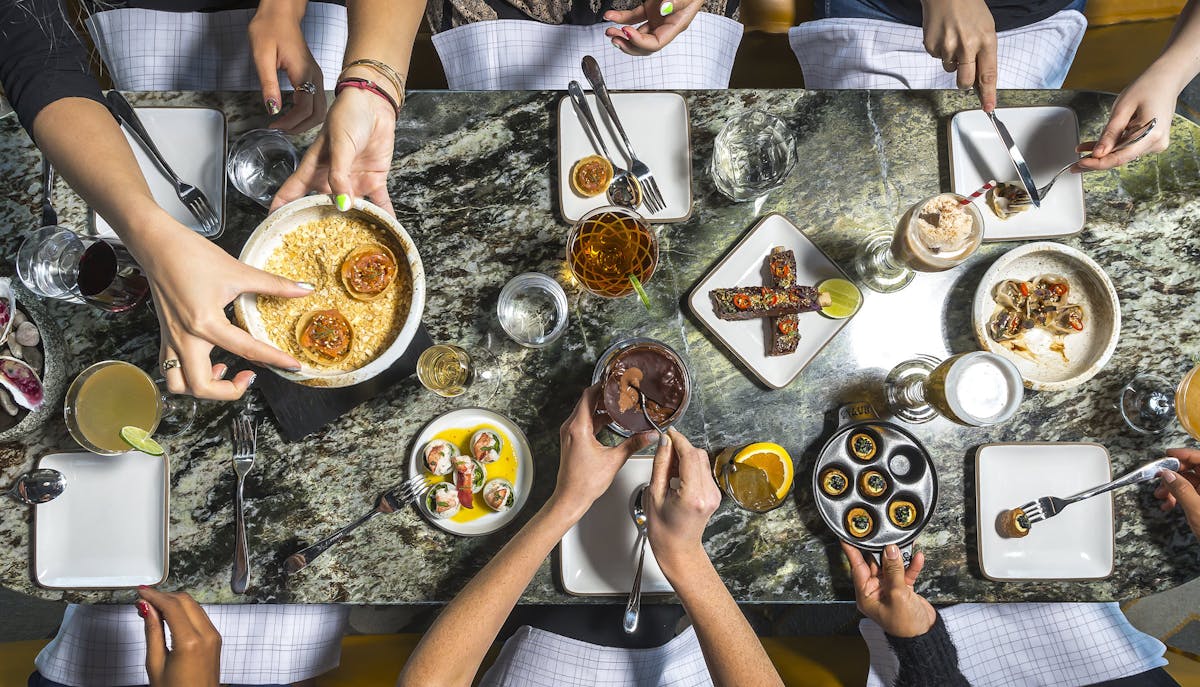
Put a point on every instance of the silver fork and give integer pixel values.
(1021, 197)
(388, 502)
(1049, 506)
(654, 198)
(191, 197)
(245, 445)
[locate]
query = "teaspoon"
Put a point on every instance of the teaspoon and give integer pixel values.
(634, 607)
(38, 486)
(624, 189)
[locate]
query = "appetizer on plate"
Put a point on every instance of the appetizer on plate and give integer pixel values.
(498, 494)
(902, 513)
(442, 501)
(859, 522)
(785, 329)
(1040, 305)
(591, 176)
(469, 477)
(486, 445)
(1007, 199)
(1013, 524)
(834, 482)
(863, 446)
(439, 456)
(324, 336)
(368, 271)
(872, 483)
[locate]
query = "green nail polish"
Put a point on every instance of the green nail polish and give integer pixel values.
(343, 202)
(666, 8)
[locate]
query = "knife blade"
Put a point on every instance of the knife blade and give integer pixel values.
(1018, 160)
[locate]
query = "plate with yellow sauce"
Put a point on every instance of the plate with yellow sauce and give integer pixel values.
(514, 463)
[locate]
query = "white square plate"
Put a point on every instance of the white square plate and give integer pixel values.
(598, 555)
(1076, 544)
(192, 139)
(1046, 137)
(108, 529)
(743, 266)
(665, 147)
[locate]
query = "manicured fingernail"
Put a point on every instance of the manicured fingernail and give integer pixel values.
(625, 30)
(142, 586)
(221, 372)
(272, 106)
(143, 609)
(343, 201)
(666, 8)
(616, 44)
(306, 286)
(1167, 476)
(891, 551)
(252, 378)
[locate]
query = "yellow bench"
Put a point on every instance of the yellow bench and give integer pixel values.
(375, 660)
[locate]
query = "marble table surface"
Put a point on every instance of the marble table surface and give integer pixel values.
(473, 182)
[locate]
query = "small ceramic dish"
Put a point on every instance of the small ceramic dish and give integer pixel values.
(598, 555)
(52, 371)
(470, 420)
(1076, 544)
(108, 529)
(268, 236)
(1084, 353)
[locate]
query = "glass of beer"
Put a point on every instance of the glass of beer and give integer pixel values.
(113, 394)
(976, 389)
(935, 234)
(609, 245)
(1149, 402)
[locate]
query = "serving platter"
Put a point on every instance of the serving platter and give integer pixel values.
(1084, 353)
(510, 433)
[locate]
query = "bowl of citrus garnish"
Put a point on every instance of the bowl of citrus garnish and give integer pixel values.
(758, 477)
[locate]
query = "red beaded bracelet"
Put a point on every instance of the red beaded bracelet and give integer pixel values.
(366, 85)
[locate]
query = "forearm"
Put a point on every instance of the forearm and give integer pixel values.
(86, 145)
(1180, 59)
(484, 604)
(928, 660)
(383, 30)
(734, 654)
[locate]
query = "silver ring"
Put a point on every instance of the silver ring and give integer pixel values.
(308, 87)
(169, 364)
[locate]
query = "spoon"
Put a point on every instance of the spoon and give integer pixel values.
(624, 189)
(634, 607)
(38, 486)
(645, 413)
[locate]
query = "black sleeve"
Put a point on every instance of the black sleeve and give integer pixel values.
(41, 58)
(928, 660)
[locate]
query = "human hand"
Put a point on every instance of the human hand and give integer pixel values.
(351, 156)
(654, 31)
(1180, 488)
(1151, 96)
(887, 596)
(192, 280)
(194, 659)
(676, 517)
(962, 34)
(277, 42)
(586, 467)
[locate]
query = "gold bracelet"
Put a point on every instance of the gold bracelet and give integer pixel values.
(382, 68)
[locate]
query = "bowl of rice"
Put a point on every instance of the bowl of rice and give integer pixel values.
(310, 240)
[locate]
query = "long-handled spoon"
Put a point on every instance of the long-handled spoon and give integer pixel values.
(632, 609)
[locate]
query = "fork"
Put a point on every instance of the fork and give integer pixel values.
(1022, 199)
(654, 198)
(245, 445)
(49, 216)
(1049, 506)
(388, 502)
(191, 197)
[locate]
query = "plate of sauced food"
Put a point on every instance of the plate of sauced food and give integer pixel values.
(481, 468)
(1052, 311)
(369, 295)
(775, 300)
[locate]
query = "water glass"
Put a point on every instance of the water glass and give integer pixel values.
(752, 155)
(532, 309)
(259, 162)
(57, 263)
(48, 263)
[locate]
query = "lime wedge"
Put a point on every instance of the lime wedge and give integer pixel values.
(140, 439)
(846, 298)
(637, 286)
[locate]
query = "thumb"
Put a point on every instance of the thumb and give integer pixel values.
(156, 642)
(267, 284)
(1112, 132)
(892, 575)
(1185, 495)
(660, 476)
(266, 64)
(341, 162)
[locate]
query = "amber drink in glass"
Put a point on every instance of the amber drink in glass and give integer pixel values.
(607, 246)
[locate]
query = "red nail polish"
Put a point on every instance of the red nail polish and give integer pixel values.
(625, 31)
(142, 586)
(143, 609)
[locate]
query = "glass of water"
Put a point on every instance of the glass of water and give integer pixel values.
(752, 155)
(532, 309)
(259, 162)
(48, 263)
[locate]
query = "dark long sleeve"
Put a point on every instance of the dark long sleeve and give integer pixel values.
(41, 58)
(928, 660)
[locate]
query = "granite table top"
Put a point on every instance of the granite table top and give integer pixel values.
(473, 182)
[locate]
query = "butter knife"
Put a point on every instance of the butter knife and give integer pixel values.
(1018, 161)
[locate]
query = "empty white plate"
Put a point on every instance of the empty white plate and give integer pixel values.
(743, 265)
(598, 553)
(657, 125)
(1076, 544)
(192, 139)
(1046, 137)
(510, 433)
(108, 529)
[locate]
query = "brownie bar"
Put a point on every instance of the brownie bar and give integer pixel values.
(753, 302)
(785, 329)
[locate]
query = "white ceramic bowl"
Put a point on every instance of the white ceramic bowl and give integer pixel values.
(269, 235)
(1088, 351)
